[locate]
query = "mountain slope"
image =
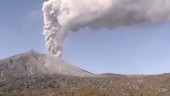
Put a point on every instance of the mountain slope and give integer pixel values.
(33, 63)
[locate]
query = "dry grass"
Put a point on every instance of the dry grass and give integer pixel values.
(58, 85)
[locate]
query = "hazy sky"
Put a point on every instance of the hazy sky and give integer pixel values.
(141, 49)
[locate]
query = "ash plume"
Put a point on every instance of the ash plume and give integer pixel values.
(62, 16)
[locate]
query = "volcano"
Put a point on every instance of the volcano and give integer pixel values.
(34, 63)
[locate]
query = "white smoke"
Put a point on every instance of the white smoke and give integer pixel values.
(62, 16)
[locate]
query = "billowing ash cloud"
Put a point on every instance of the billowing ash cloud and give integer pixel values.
(61, 16)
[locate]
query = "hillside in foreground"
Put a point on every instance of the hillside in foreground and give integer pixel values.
(62, 85)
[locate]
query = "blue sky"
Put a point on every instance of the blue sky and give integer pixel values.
(141, 49)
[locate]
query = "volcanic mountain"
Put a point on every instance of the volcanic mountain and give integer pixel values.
(35, 74)
(34, 63)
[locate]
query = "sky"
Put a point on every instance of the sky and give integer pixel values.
(143, 49)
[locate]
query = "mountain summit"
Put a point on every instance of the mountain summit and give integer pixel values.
(34, 63)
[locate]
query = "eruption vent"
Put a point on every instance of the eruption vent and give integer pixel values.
(62, 16)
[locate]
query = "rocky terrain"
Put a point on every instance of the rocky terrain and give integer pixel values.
(30, 74)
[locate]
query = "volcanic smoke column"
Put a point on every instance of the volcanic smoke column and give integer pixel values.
(62, 16)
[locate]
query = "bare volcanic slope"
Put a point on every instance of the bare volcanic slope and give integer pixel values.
(33, 63)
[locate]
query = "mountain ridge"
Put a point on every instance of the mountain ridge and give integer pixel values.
(31, 63)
